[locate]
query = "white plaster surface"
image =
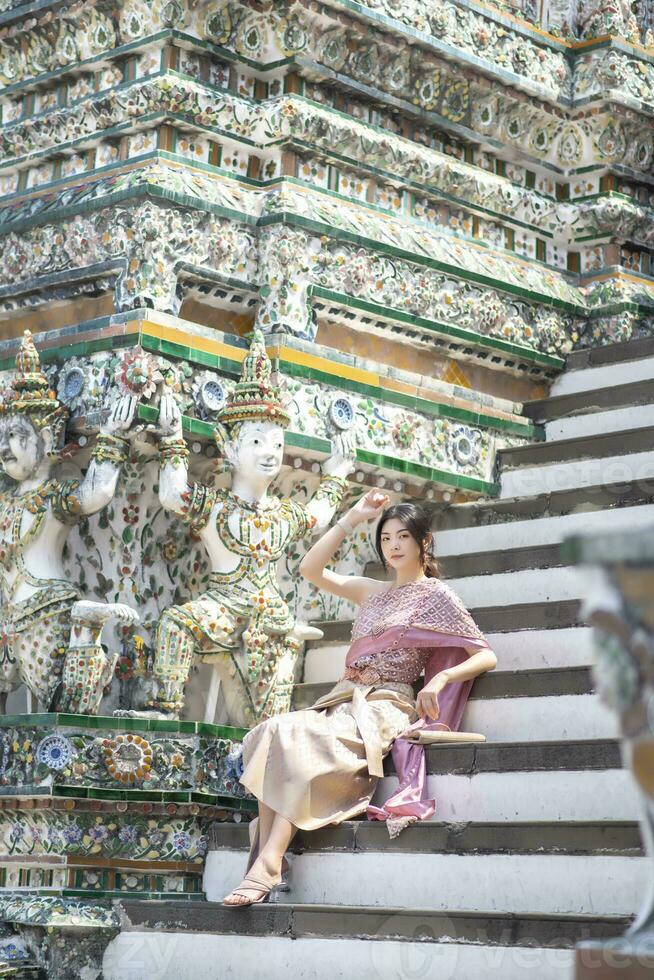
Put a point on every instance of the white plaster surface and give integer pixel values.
(605, 376)
(539, 649)
(324, 663)
(542, 530)
(562, 716)
(528, 585)
(596, 423)
(563, 794)
(520, 650)
(540, 883)
(142, 955)
(526, 481)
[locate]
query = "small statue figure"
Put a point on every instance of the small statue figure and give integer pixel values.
(36, 516)
(87, 668)
(241, 623)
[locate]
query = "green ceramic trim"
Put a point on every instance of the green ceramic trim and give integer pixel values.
(323, 447)
(427, 473)
(121, 87)
(427, 191)
(204, 430)
(319, 227)
(216, 361)
(448, 330)
(154, 155)
(132, 894)
(81, 141)
(80, 349)
(61, 720)
(333, 379)
(63, 182)
(423, 405)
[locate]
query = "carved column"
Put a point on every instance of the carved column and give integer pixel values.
(284, 265)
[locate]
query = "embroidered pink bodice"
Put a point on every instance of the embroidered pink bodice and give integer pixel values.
(396, 666)
(377, 614)
(439, 607)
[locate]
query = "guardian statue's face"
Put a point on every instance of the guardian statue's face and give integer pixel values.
(22, 447)
(257, 450)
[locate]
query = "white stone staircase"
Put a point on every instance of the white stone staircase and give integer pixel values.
(535, 842)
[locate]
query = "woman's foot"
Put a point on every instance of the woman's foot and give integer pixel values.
(255, 887)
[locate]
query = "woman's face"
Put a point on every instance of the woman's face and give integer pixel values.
(400, 549)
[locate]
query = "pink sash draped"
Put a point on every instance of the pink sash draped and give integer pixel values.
(409, 802)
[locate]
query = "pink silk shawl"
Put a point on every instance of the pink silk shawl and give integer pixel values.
(426, 614)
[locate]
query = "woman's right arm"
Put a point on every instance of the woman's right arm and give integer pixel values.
(355, 588)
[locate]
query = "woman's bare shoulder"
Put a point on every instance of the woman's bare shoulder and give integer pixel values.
(370, 587)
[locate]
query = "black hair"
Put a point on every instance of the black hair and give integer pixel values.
(418, 523)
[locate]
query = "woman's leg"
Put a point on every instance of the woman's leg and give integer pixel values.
(266, 817)
(271, 853)
(268, 862)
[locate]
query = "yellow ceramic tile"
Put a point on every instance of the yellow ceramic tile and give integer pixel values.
(329, 367)
(205, 344)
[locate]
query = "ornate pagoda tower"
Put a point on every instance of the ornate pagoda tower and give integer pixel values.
(436, 213)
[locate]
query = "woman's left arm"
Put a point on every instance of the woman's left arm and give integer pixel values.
(477, 663)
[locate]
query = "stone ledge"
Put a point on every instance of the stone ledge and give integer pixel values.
(530, 837)
(295, 921)
(589, 402)
(603, 444)
(553, 504)
(548, 682)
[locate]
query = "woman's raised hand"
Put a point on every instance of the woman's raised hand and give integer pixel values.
(369, 507)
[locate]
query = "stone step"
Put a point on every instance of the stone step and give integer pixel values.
(479, 541)
(591, 425)
(172, 941)
(586, 447)
(544, 884)
(529, 781)
(590, 404)
(551, 585)
(614, 353)
(487, 563)
(520, 616)
(579, 475)
(495, 684)
(524, 650)
(621, 837)
(606, 496)
(561, 716)
(591, 378)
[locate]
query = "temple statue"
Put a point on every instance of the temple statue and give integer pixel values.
(36, 515)
(241, 623)
(88, 669)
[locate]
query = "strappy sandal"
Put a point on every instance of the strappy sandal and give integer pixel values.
(260, 882)
(253, 832)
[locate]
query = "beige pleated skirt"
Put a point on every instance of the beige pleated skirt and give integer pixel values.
(320, 765)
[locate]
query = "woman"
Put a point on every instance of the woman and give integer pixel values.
(320, 765)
